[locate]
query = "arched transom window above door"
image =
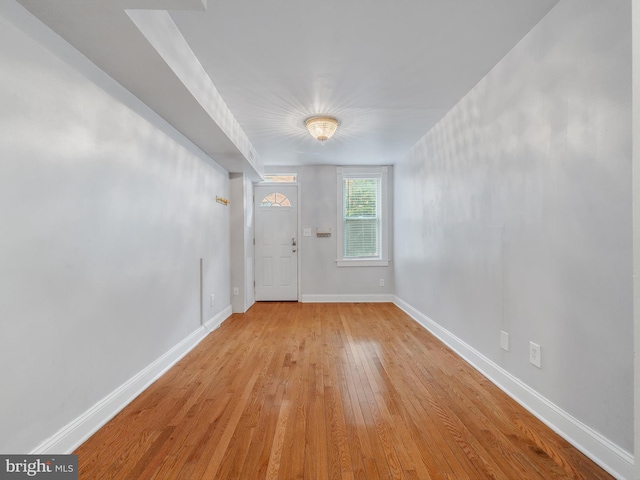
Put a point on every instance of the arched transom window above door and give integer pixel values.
(275, 199)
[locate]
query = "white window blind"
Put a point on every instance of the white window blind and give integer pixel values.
(361, 217)
(363, 211)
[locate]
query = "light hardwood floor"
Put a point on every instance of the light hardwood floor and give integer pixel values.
(326, 391)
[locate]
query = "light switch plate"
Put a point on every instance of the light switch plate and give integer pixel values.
(306, 232)
(504, 340)
(534, 354)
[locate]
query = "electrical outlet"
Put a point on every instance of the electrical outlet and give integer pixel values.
(534, 354)
(213, 300)
(504, 340)
(236, 291)
(382, 282)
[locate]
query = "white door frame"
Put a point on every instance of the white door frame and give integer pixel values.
(298, 229)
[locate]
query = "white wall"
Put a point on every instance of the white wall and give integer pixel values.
(105, 213)
(514, 213)
(321, 279)
(636, 224)
(249, 290)
(241, 196)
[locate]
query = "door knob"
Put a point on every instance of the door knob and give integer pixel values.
(293, 241)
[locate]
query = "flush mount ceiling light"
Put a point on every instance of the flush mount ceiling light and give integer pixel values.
(321, 128)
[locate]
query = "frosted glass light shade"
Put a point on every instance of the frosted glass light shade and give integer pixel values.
(322, 128)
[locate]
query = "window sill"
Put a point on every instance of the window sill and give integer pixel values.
(362, 263)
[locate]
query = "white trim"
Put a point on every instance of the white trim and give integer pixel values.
(635, 217)
(72, 435)
(602, 451)
(355, 262)
(357, 171)
(347, 298)
(282, 185)
(299, 230)
(271, 174)
(214, 322)
(373, 172)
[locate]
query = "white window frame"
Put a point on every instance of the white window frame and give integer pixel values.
(283, 182)
(382, 260)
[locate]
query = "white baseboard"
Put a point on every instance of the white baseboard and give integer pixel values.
(602, 451)
(72, 435)
(347, 298)
(215, 321)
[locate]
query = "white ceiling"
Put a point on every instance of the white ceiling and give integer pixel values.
(388, 70)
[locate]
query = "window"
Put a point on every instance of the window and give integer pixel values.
(275, 199)
(280, 178)
(362, 213)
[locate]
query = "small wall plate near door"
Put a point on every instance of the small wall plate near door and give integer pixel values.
(534, 354)
(504, 340)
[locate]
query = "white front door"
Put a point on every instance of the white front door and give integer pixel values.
(276, 252)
